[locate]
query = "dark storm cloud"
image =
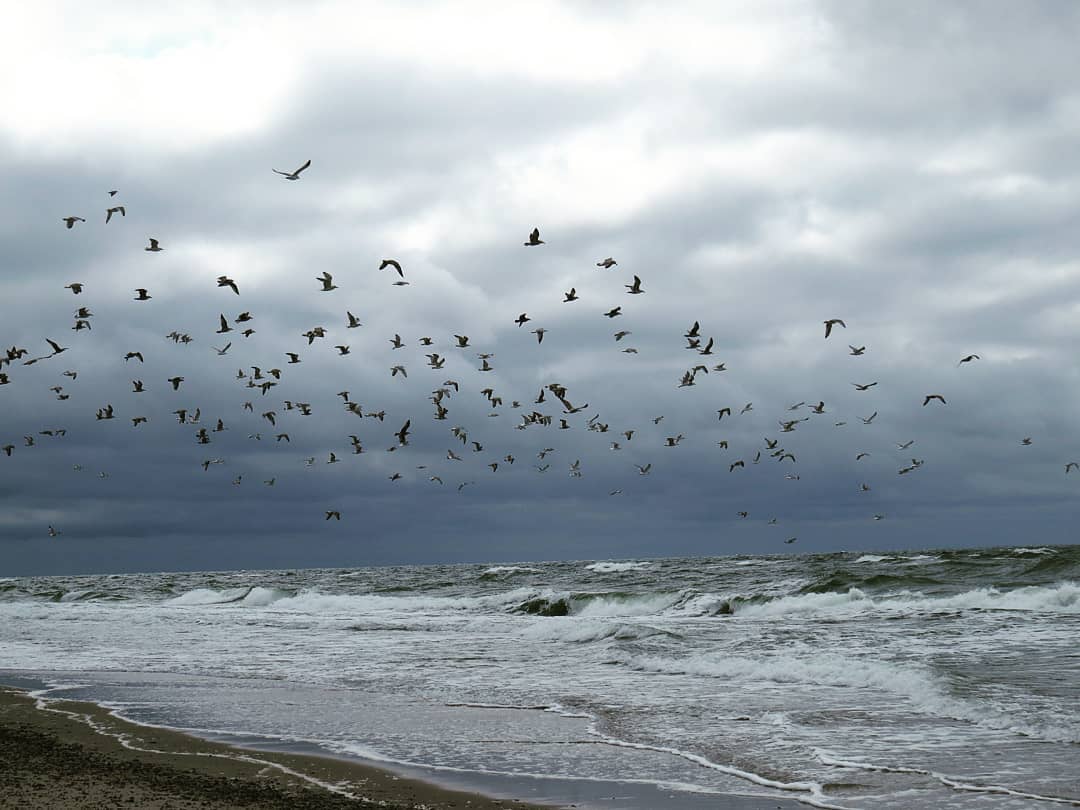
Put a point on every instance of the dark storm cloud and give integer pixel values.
(912, 181)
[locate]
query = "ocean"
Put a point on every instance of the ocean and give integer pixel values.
(936, 679)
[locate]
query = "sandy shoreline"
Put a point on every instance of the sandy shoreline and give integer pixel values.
(87, 758)
(79, 755)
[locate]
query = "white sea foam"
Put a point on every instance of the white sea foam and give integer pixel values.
(1023, 550)
(508, 569)
(616, 567)
(1064, 597)
(872, 558)
(583, 631)
(209, 596)
(924, 691)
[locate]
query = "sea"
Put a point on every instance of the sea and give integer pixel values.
(920, 679)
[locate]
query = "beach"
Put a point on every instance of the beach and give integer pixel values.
(78, 755)
(848, 680)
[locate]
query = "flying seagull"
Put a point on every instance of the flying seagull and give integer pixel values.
(829, 324)
(392, 263)
(225, 281)
(70, 221)
(295, 175)
(534, 238)
(110, 211)
(607, 263)
(153, 246)
(928, 397)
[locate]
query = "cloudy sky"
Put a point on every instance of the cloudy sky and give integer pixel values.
(762, 167)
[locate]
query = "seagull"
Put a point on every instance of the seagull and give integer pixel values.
(221, 352)
(153, 246)
(905, 445)
(403, 434)
(868, 419)
(392, 263)
(635, 288)
(857, 351)
(70, 221)
(1026, 441)
(621, 334)
(176, 382)
(539, 332)
(534, 238)
(613, 313)
(76, 287)
(225, 281)
(968, 359)
(53, 532)
(607, 263)
(292, 175)
(864, 387)
(293, 357)
(110, 211)
(791, 540)
(928, 397)
(327, 282)
(570, 296)
(644, 470)
(522, 319)
(861, 456)
(353, 320)
(1072, 465)
(224, 325)
(143, 295)
(829, 324)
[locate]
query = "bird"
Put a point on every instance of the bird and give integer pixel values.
(570, 296)
(294, 175)
(142, 294)
(856, 351)
(791, 540)
(868, 419)
(861, 456)
(607, 263)
(225, 281)
(224, 325)
(293, 357)
(905, 445)
(534, 238)
(829, 324)
(1072, 465)
(865, 387)
(154, 247)
(928, 397)
(76, 287)
(342, 350)
(968, 359)
(110, 211)
(522, 319)
(392, 263)
(353, 320)
(621, 334)
(175, 382)
(539, 332)
(53, 532)
(70, 221)
(613, 313)
(635, 288)
(403, 434)
(221, 352)
(1026, 441)
(327, 281)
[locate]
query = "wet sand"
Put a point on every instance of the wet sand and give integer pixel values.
(87, 758)
(79, 755)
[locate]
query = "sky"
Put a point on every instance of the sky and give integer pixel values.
(762, 167)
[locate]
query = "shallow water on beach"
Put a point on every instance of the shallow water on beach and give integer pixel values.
(946, 679)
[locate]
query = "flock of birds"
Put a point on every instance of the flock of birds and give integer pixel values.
(553, 407)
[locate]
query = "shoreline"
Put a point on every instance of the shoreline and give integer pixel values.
(81, 754)
(77, 754)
